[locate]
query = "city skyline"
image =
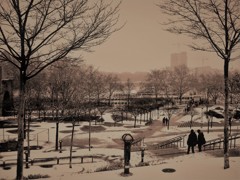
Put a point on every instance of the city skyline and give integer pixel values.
(143, 44)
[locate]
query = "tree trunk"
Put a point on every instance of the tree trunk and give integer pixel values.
(109, 100)
(98, 99)
(57, 129)
(180, 98)
(39, 113)
(191, 122)
(168, 122)
(135, 120)
(70, 160)
(226, 135)
(226, 89)
(144, 116)
(20, 146)
(28, 134)
(150, 115)
(89, 133)
(122, 116)
(24, 125)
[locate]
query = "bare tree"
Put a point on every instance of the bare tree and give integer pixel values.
(112, 85)
(127, 89)
(158, 82)
(234, 88)
(100, 86)
(165, 79)
(90, 80)
(170, 109)
(192, 113)
(37, 33)
(214, 84)
(180, 81)
(153, 82)
(62, 86)
(216, 23)
(101, 110)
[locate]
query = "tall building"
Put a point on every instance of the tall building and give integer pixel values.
(178, 59)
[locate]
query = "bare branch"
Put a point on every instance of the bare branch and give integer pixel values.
(39, 33)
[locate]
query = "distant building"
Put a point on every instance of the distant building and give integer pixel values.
(178, 59)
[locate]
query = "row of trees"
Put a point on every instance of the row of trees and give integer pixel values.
(65, 85)
(180, 80)
(73, 88)
(168, 82)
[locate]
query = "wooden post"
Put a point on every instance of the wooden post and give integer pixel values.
(230, 142)
(48, 135)
(37, 140)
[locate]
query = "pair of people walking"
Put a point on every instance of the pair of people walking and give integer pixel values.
(165, 121)
(194, 140)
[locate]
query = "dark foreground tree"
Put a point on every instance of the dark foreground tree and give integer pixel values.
(216, 24)
(37, 33)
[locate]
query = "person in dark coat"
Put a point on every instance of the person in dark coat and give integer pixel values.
(166, 121)
(163, 121)
(201, 140)
(192, 141)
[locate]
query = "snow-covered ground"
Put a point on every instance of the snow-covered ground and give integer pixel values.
(198, 166)
(108, 147)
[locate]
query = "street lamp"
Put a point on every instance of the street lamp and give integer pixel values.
(127, 139)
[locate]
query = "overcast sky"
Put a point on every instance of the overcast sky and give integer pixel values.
(142, 44)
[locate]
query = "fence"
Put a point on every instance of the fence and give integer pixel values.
(218, 143)
(9, 142)
(8, 137)
(178, 141)
(40, 161)
(137, 144)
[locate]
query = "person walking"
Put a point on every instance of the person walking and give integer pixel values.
(192, 141)
(201, 140)
(163, 121)
(167, 121)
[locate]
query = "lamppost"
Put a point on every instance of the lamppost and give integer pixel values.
(60, 144)
(26, 159)
(142, 154)
(128, 139)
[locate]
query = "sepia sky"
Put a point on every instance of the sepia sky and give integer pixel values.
(142, 44)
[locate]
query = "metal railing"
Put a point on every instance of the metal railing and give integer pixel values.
(218, 142)
(42, 161)
(178, 141)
